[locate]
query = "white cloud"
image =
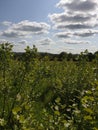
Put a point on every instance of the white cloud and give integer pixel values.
(64, 17)
(80, 5)
(86, 33)
(74, 21)
(32, 27)
(25, 29)
(64, 34)
(23, 42)
(5, 23)
(10, 33)
(83, 33)
(75, 42)
(45, 41)
(73, 26)
(77, 15)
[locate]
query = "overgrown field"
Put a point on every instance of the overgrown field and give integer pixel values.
(39, 94)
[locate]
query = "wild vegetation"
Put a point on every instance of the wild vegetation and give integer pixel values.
(37, 93)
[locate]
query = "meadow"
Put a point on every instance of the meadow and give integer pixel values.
(43, 94)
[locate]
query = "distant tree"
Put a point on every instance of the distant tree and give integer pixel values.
(62, 56)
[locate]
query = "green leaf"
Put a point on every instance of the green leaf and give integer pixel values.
(57, 100)
(16, 110)
(90, 111)
(57, 113)
(66, 125)
(21, 119)
(88, 117)
(56, 108)
(2, 122)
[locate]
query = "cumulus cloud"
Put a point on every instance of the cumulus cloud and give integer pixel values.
(73, 26)
(25, 28)
(64, 34)
(80, 5)
(45, 41)
(23, 42)
(76, 42)
(12, 33)
(77, 15)
(64, 17)
(84, 33)
(5, 23)
(33, 27)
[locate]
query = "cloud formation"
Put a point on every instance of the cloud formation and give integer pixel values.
(86, 33)
(80, 5)
(75, 42)
(10, 33)
(64, 34)
(33, 27)
(25, 28)
(45, 41)
(64, 17)
(5, 23)
(83, 33)
(77, 15)
(73, 26)
(23, 42)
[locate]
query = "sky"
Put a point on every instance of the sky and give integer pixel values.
(53, 26)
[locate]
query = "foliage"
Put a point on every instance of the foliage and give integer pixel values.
(40, 94)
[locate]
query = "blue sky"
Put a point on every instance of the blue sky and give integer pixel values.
(52, 25)
(19, 10)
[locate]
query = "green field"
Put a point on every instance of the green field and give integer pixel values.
(43, 94)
